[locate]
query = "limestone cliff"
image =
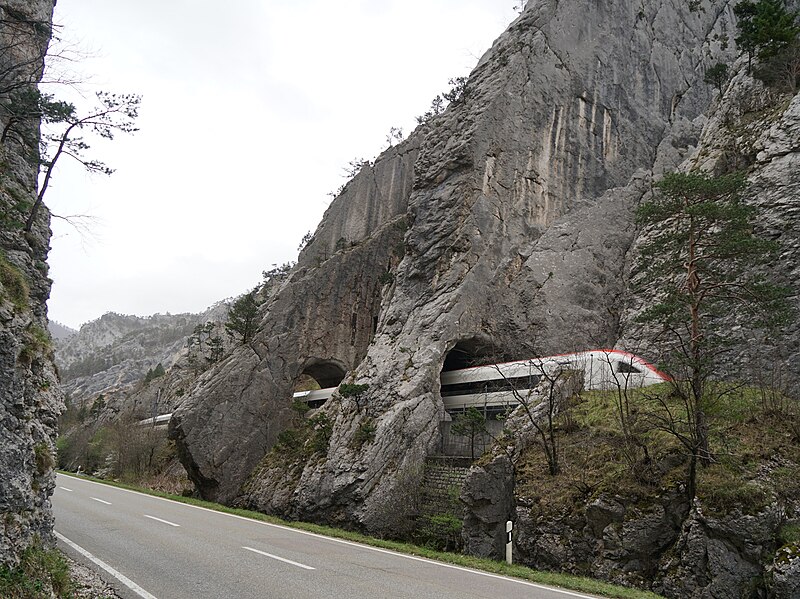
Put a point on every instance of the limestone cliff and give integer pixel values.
(518, 202)
(30, 400)
(657, 538)
(504, 228)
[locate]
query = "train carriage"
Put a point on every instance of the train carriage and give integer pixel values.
(495, 387)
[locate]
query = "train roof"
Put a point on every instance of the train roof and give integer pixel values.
(526, 363)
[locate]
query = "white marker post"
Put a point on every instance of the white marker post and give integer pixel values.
(509, 527)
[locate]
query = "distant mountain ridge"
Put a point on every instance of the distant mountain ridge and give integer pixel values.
(59, 331)
(116, 351)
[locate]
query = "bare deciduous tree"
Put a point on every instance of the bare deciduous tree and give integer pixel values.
(542, 403)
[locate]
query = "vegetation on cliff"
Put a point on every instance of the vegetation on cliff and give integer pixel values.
(39, 571)
(13, 286)
(754, 432)
(701, 259)
(624, 510)
(30, 399)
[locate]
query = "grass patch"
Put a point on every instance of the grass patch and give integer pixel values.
(14, 285)
(733, 404)
(365, 433)
(757, 456)
(44, 458)
(40, 570)
(596, 458)
(789, 534)
(575, 583)
(37, 343)
(753, 443)
(721, 491)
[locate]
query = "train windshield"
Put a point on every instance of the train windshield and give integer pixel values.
(626, 368)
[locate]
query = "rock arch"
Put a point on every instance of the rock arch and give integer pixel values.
(326, 372)
(476, 350)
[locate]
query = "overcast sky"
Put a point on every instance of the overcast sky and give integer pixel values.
(250, 111)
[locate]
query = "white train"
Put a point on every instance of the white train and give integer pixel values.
(162, 420)
(315, 398)
(498, 386)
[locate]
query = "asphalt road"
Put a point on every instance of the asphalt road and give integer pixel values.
(168, 550)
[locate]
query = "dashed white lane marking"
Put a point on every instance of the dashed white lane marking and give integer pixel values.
(118, 575)
(101, 500)
(280, 559)
(65, 489)
(160, 520)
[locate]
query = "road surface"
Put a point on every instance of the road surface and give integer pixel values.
(163, 549)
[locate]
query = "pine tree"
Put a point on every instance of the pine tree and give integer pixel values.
(766, 28)
(472, 424)
(216, 349)
(717, 76)
(745, 12)
(243, 317)
(701, 261)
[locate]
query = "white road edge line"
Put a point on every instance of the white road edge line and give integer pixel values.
(160, 520)
(351, 543)
(65, 489)
(101, 500)
(118, 575)
(280, 559)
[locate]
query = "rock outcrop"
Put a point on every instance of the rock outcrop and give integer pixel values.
(488, 495)
(663, 544)
(785, 573)
(519, 205)
(30, 400)
(503, 228)
(663, 541)
(315, 324)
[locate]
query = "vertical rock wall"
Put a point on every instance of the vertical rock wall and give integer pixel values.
(30, 400)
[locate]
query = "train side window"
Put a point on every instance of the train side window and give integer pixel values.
(626, 368)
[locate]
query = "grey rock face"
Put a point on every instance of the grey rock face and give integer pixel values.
(377, 194)
(314, 325)
(785, 574)
(719, 557)
(30, 400)
(519, 203)
(520, 218)
(488, 495)
(663, 545)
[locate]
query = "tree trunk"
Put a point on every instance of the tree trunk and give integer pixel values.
(697, 377)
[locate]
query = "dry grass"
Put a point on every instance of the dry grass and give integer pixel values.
(756, 454)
